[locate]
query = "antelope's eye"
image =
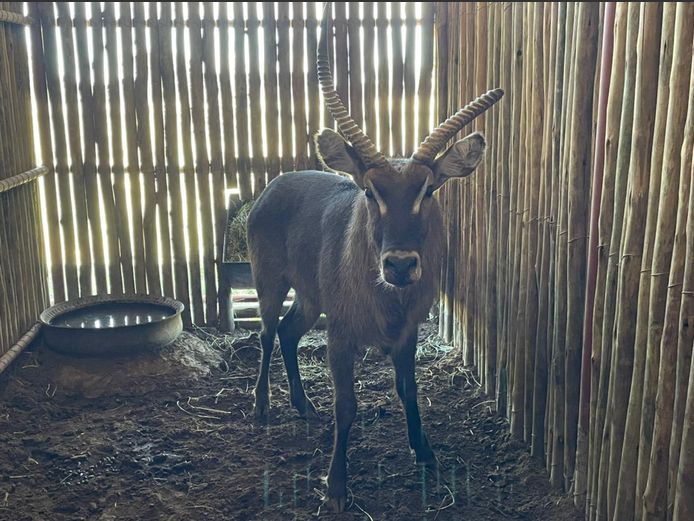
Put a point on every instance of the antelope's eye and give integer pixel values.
(430, 191)
(368, 193)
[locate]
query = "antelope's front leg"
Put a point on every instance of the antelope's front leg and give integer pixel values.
(341, 361)
(403, 360)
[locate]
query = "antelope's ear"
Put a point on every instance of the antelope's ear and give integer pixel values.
(336, 155)
(460, 160)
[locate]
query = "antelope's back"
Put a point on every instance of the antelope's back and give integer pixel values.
(295, 216)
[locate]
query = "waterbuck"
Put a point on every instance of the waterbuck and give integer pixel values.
(366, 251)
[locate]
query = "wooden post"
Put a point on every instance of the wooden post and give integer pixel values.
(632, 244)
(180, 266)
(216, 159)
(684, 500)
(396, 79)
(514, 386)
(626, 485)
(301, 137)
(91, 185)
(560, 317)
(202, 168)
(579, 186)
(505, 124)
(52, 238)
(607, 209)
(686, 332)
(314, 100)
(254, 94)
(410, 130)
(162, 188)
(581, 470)
(603, 425)
(192, 218)
(285, 86)
(241, 113)
(149, 209)
(60, 150)
(674, 198)
(132, 171)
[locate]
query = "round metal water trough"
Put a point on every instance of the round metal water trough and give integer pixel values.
(112, 325)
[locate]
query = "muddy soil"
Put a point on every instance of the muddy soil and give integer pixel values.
(183, 445)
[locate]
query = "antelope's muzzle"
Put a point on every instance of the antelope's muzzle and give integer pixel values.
(401, 268)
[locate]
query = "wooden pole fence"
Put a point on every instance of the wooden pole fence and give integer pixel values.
(568, 279)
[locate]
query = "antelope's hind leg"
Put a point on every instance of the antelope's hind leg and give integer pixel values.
(298, 320)
(270, 299)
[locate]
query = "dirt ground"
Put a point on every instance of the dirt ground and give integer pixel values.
(172, 445)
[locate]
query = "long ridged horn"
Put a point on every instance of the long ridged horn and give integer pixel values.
(367, 151)
(435, 141)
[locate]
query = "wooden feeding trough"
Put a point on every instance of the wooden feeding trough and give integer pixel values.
(235, 270)
(112, 325)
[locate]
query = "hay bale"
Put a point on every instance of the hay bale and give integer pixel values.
(235, 247)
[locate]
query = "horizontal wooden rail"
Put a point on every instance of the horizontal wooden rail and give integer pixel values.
(11, 17)
(17, 180)
(14, 351)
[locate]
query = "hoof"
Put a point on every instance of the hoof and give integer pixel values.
(261, 408)
(336, 504)
(336, 495)
(427, 458)
(308, 411)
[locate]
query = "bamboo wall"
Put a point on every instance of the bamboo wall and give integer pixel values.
(22, 278)
(147, 115)
(570, 274)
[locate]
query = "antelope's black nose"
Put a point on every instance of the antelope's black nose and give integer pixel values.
(401, 268)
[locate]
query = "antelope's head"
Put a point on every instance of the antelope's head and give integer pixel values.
(398, 193)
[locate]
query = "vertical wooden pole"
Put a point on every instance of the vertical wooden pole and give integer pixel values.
(149, 210)
(188, 169)
(285, 86)
(356, 95)
(396, 79)
(312, 87)
(603, 425)
(216, 143)
(91, 184)
(173, 172)
(70, 245)
(674, 196)
(162, 188)
(632, 244)
(626, 485)
(254, 94)
(607, 210)
(202, 166)
(505, 252)
(132, 171)
(241, 113)
(579, 186)
(409, 80)
(301, 137)
(561, 278)
(50, 209)
(425, 71)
